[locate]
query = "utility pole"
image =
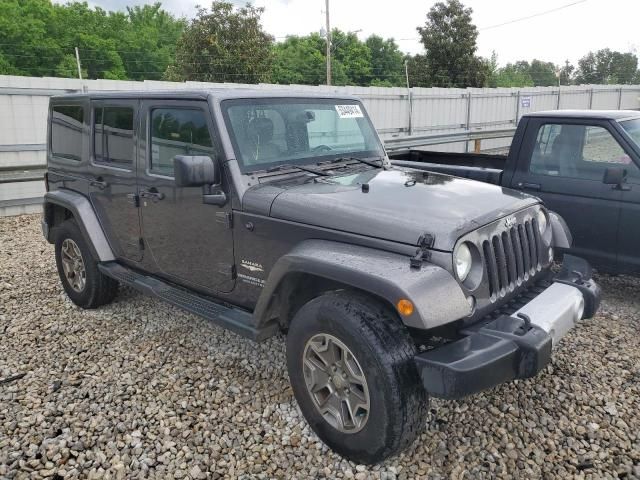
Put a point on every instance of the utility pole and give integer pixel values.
(328, 44)
(406, 72)
(78, 62)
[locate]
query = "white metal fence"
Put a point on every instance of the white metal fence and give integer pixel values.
(394, 111)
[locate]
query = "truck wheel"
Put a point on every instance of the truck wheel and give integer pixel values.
(85, 285)
(351, 367)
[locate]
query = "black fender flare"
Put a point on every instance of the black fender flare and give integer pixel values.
(84, 215)
(562, 237)
(436, 295)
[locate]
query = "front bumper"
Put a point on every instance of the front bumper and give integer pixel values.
(512, 346)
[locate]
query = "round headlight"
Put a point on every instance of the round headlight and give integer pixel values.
(462, 261)
(543, 223)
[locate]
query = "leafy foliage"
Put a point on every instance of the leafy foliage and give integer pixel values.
(302, 60)
(606, 66)
(224, 44)
(38, 39)
(449, 38)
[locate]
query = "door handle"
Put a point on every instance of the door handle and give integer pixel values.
(99, 183)
(530, 186)
(153, 194)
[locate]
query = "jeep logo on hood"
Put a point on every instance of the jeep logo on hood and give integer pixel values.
(510, 222)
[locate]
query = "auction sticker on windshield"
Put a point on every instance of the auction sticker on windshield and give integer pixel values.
(349, 111)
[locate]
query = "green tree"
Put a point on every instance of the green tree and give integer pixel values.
(543, 74)
(39, 38)
(350, 58)
(149, 41)
(607, 67)
(387, 62)
(514, 75)
(419, 73)
(223, 44)
(449, 37)
(300, 60)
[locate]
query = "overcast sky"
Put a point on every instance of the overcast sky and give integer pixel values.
(555, 36)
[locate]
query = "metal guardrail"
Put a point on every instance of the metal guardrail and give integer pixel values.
(395, 145)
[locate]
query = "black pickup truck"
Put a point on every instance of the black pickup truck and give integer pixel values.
(583, 164)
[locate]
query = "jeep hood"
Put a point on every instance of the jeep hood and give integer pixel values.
(400, 205)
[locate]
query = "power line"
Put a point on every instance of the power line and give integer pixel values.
(521, 19)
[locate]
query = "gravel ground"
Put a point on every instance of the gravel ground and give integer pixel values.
(139, 388)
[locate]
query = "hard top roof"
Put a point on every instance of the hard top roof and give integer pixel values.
(594, 114)
(219, 94)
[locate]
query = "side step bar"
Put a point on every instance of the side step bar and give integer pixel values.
(236, 320)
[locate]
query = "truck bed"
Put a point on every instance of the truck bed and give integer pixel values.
(475, 166)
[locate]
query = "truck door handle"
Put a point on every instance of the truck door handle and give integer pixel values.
(530, 186)
(99, 183)
(153, 194)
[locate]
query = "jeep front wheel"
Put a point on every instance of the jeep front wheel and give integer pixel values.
(81, 279)
(350, 362)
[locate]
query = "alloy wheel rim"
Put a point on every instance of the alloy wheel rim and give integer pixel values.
(336, 383)
(73, 265)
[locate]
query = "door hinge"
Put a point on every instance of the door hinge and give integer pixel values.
(227, 269)
(226, 218)
(425, 242)
(134, 198)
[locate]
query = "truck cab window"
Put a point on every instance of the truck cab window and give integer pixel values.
(113, 136)
(575, 151)
(177, 131)
(66, 131)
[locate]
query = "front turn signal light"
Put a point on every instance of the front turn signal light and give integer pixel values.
(405, 307)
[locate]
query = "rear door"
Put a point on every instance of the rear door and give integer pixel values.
(112, 174)
(563, 162)
(189, 242)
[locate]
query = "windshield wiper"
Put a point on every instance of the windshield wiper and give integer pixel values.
(361, 160)
(298, 167)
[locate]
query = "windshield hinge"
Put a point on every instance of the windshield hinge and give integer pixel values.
(425, 242)
(225, 218)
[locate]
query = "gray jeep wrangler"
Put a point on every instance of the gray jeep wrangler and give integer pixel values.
(268, 212)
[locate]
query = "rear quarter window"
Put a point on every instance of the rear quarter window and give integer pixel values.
(67, 131)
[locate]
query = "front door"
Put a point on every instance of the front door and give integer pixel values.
(565, 168)
(190, 243)
(112, 182)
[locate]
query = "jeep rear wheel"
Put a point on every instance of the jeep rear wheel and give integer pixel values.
(81, 279)
(351, 366)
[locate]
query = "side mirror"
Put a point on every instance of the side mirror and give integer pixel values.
(200, 171)
(615, 176)
(195, 171)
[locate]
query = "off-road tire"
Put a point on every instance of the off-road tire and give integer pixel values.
(385, 351)
(99, 289)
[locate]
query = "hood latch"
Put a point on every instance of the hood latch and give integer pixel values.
(425, 242)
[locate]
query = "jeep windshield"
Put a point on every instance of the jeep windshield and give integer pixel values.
(269, 132)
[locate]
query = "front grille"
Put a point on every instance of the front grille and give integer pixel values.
(512, 257)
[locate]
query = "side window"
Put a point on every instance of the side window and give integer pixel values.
(113, 142)
(66, 131)
(575, 151)
(600, 146)
(177, 131)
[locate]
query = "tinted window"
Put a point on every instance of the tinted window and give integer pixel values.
(66, 131)
(113, 135)
(177, 131)
(576, 151)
